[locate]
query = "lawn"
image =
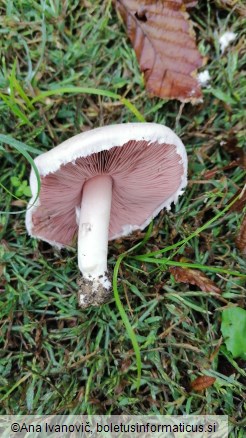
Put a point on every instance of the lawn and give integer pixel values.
(65, 67)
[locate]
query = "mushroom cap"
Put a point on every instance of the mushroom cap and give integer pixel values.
(146, 161)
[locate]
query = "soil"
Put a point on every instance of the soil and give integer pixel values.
(91, 293)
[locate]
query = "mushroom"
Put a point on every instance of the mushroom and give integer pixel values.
(100, 185)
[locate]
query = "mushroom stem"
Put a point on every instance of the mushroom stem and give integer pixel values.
(93, 239)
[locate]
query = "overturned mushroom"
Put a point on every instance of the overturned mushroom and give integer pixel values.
(103, 184)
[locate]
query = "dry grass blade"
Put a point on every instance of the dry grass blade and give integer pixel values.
(237, 5)
(241, 238)
(164, 42)
(195, 277)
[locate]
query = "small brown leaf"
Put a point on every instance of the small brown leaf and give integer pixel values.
(121, 387)
(237, 154)
(241, 238)
(241, 201)
(231, 147)
(193, 276)
(164, 42)
(202, 382)
(125, 364)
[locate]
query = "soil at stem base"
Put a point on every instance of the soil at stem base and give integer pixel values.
(92, 292)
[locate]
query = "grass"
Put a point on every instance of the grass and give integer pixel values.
(54, 357)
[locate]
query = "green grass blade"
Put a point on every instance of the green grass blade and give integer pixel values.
(11, 194)
(126, 321)
(19, 382)
(94, 91)
(16, 143)
(118, 302)
(168, 262)
(132, 108)
(22, 94)
(15, 110)
(22, 148)
(198, 230)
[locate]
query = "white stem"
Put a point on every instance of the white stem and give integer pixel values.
(93, 229)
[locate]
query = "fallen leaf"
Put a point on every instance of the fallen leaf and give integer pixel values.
(121, 387)
(241, 237)
(241, 201)
(164, 42)
(202, 382)
(125, 364)
(237, 153)
(193, 276)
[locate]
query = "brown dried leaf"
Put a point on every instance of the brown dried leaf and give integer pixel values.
(238, 154)
(202, 382)
(241, 238)
(125, 364)
(193, 276)
(240, 203)
(165, 46)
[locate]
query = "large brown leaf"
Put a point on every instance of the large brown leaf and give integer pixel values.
(164, 42)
